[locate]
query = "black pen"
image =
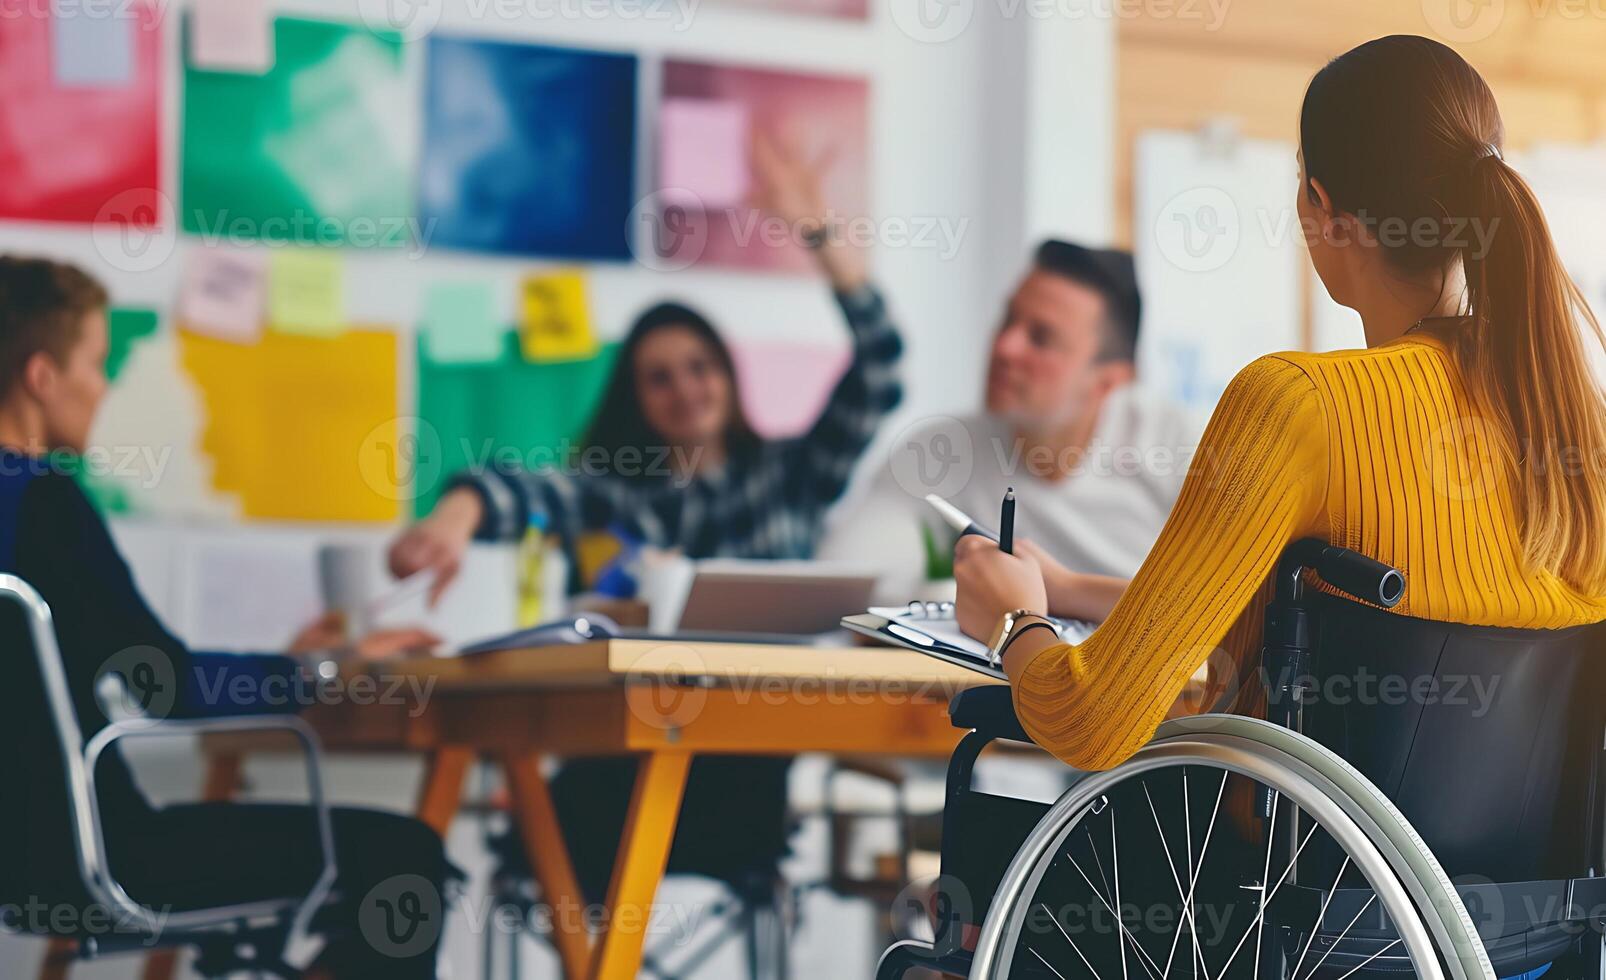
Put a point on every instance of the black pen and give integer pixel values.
(1006, 524)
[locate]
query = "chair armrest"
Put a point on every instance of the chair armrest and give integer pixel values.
(989, 710)
(117, 897)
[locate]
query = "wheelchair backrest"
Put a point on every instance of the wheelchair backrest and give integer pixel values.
(1487, 739)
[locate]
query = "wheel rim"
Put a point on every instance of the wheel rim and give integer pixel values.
(1069, 872)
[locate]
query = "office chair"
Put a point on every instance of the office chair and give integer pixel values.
(1316, 845)
(249, 936)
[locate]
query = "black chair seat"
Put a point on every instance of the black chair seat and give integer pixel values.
(989, 710)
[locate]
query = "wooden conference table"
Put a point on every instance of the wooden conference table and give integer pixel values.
(664, 702)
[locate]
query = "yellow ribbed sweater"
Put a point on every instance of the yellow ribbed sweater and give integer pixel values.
(1378, 450)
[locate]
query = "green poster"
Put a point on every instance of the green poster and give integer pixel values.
(501, 409)
(125, 328)
(318, 151)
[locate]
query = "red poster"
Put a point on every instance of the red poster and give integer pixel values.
(75, 153)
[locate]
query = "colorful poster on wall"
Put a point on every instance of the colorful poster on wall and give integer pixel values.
(785, 387)
(528, 150)
(85, 150)
(501, 411)
(317, 151)
(821, 116)
(292, 421)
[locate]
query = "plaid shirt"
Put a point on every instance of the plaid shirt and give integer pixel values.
(769, 504)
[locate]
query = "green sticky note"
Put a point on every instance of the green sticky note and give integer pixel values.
(313, 152)
(503, 410)
(307, 291)
(460, 325)
(125, 328)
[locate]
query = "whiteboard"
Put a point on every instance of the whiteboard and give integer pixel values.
(1219, 259)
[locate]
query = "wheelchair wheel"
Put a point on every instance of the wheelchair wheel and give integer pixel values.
(1227, 848)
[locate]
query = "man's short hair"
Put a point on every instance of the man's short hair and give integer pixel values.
(42, 308)
(1113, 275)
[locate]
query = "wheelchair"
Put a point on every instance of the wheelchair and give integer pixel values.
(1422, 798)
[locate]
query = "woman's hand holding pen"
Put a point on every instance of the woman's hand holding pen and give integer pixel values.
(992, 583)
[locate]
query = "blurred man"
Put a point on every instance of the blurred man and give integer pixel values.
(1095, 461)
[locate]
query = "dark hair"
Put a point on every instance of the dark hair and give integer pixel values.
(1403, 131)
(42, 308)
(619, 422)
(1113, 275)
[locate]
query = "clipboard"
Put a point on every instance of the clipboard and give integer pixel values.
(900, 633)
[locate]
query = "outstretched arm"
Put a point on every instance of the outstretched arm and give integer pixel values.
(1258, 483)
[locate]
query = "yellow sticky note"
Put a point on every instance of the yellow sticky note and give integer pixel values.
(556, 322)
(307, 291)
(299, 428)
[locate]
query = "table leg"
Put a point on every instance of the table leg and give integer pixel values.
(442, 792)
(549, 859)
(643, 855)
(59, 957)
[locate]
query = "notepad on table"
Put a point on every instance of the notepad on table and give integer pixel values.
(930, 628)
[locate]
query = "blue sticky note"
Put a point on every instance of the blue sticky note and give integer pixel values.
(93, 45)
(460, 324)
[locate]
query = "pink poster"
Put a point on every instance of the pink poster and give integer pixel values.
(75, 152)
(822, 115)
(785, 386)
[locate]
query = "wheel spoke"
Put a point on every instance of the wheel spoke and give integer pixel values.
(1369, 959)
(1261, 913)
(1265, 873)
(1315, 928)
(1149, 964)
(1051, 966)
(1115, 862)
(1074, 948)
(1340, 938)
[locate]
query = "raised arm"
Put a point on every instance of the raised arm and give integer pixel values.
(1258, 482)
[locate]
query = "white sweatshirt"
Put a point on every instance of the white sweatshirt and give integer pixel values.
(1101, 518)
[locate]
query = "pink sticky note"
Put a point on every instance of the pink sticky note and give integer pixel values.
(223, 294)
(784, 387)
(231, 35)
(703, 152)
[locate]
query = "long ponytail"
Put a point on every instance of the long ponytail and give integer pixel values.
(1526, 353)
(1402, 129)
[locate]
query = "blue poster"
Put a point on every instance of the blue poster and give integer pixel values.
(528, 150)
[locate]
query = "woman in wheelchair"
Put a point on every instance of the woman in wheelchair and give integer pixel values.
(172, 859)
(1459, 447)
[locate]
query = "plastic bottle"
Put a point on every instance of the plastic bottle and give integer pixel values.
(531, 558)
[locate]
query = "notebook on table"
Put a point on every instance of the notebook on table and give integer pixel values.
(930, 628)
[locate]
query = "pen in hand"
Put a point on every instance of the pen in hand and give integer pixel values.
(1006, 524)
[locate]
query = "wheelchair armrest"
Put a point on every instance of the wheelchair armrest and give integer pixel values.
(989, 710)
(101, 878)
